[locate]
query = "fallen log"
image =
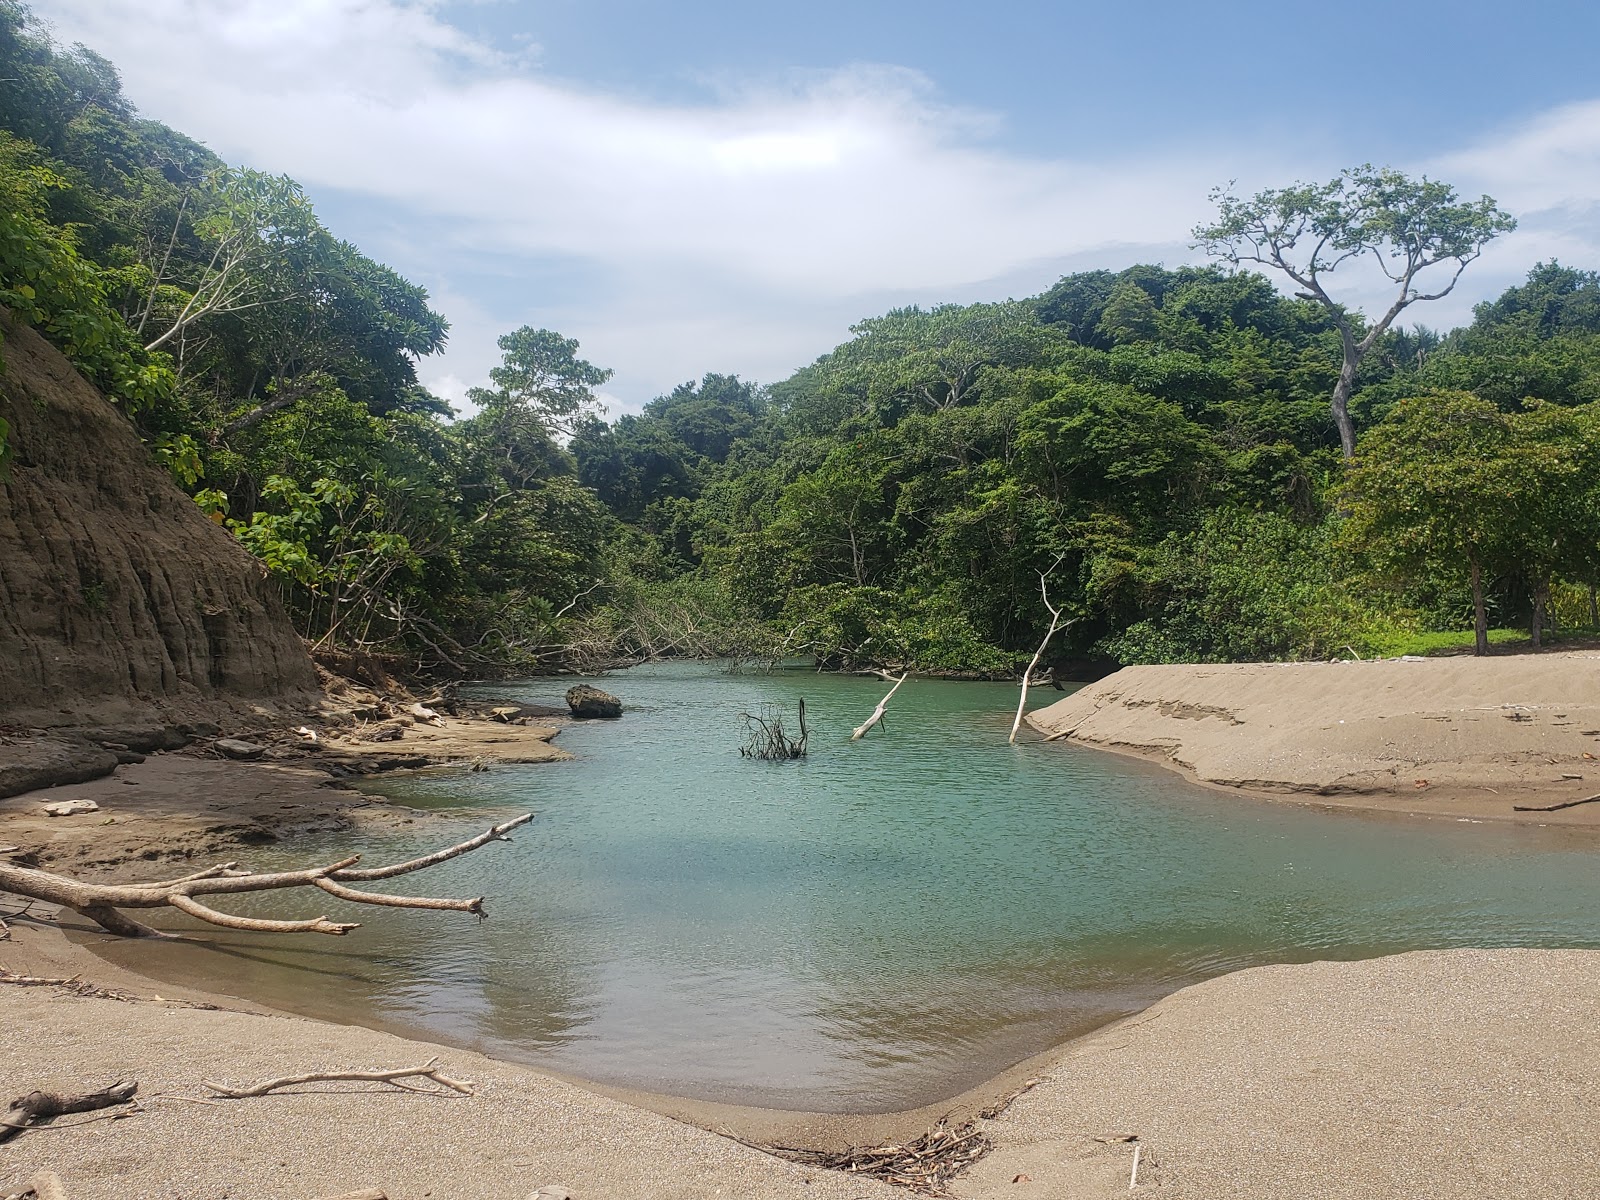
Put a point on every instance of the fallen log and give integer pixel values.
(38, 1107)
(103, 903)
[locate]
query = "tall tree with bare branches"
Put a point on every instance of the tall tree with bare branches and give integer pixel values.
(1404, 226)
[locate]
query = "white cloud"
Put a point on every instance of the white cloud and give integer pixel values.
(741, 234)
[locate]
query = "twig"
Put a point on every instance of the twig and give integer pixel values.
(1554, 807)
(427, 1071)
(1133, 1176)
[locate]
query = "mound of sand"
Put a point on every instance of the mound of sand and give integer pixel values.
(1449, 735)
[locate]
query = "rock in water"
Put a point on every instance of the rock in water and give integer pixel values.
(586, 701)
(235, 748)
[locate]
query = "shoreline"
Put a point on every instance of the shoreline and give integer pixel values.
(1352, 1080)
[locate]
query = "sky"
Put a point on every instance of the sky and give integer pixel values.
(705, 185)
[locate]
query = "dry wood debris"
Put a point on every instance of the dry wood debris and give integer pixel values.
(926, 1165)
(426, 1071)
(38, 1107)
(103, 903)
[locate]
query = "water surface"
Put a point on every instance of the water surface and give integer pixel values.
(879, 925)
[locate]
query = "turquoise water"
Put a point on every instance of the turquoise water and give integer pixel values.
(881, 924)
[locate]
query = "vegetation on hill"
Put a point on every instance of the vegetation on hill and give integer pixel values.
(1204, 467)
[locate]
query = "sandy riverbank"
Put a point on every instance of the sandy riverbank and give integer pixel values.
(1460, 737)
(1453, 1073)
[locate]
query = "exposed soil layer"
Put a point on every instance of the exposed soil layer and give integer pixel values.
(118, 597)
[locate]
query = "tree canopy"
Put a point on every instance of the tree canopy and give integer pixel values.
(1159, 442)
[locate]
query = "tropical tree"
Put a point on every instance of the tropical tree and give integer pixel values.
(1449, 480)
(542, 379)
(1403, 226)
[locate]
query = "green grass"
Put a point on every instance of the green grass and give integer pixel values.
(1456, 641)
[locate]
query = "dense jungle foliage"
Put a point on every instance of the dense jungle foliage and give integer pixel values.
(1154, 446)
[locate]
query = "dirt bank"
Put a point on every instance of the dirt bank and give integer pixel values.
(117, 595)
(1463, 737)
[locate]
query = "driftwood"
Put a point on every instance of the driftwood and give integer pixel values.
(42, 1185)
(102, 903)
(926, 1165)
(877, 714)
(1554, 807)
(765, 736)
(426, 1071)
(1055, 624)
(38, 1107)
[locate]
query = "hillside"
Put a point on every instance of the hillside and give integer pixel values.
(117, 594)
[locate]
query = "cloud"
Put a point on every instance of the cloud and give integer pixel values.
(742, 233)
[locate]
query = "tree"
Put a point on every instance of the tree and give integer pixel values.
(1307, 231)
(542, 377)
(1433, 481)
(1447, 477)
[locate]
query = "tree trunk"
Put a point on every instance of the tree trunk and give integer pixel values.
(1541, 600)
(1341, 405)
(1480, 618)
(1594, 608)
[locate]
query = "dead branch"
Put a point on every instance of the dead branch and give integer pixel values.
(926, 1165)
(1055, 624)
(877, 714)
(426, 1071)
(363, 1194)
(765, 736)
(102, 903)
(1554, 807)
(37, 1107)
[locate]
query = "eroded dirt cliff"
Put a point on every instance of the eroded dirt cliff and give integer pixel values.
(119, 600)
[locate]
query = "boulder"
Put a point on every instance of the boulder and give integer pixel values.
(586, 701)
(241, 750)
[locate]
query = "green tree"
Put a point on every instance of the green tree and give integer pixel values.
(1447, 480)
(541, 378)
(1402, 226)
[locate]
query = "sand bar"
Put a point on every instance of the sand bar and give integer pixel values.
(1464, 737)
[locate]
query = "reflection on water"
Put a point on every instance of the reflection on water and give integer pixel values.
(880, 925)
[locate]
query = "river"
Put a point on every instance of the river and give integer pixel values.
(878, 925)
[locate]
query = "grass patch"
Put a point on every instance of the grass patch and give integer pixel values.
(1458, 641)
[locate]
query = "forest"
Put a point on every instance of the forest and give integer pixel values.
(1198, 463)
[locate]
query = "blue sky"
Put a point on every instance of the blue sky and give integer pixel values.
(714, 186)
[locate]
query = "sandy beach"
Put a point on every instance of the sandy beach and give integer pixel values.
(1458, 737)
(1455, 1073)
